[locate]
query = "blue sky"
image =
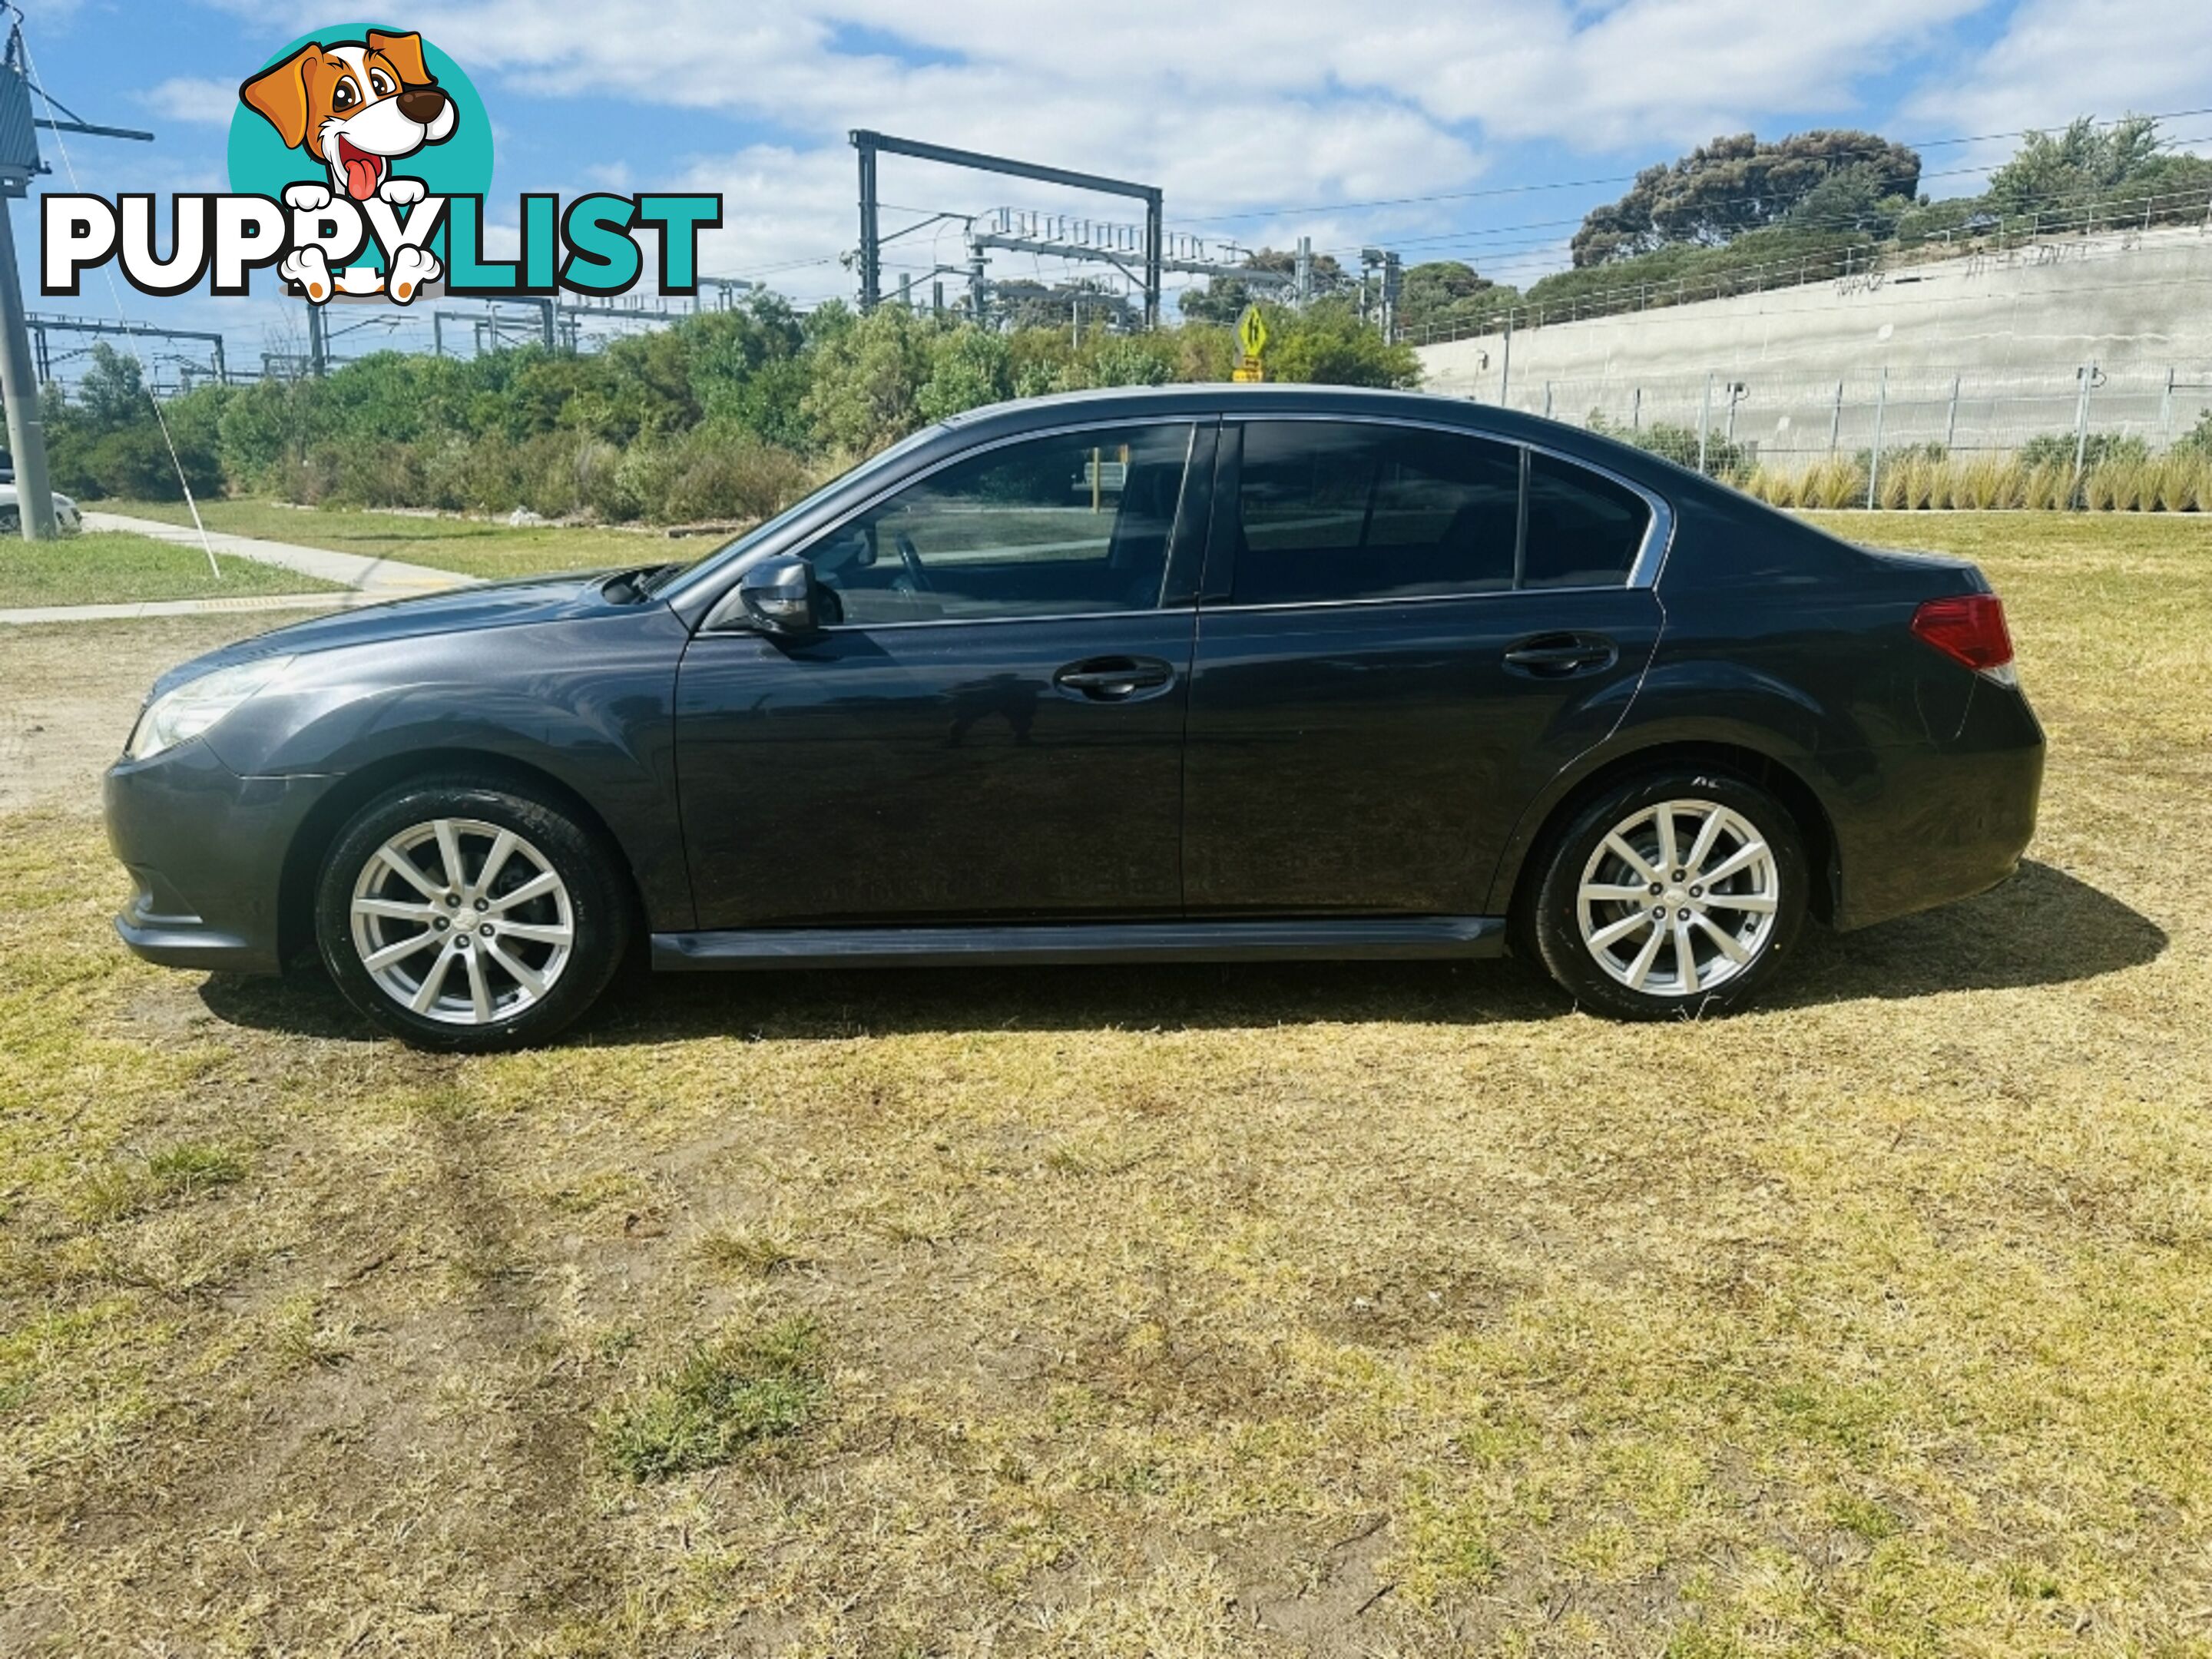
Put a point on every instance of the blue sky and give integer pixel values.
(1262, 121)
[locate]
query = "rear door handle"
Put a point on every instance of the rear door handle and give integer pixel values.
(1554, 656)
(1115, 679)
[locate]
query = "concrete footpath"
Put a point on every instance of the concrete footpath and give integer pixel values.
(24, 615)
(372, 579)
(364, 580)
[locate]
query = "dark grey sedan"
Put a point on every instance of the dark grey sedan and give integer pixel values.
(1198, 674)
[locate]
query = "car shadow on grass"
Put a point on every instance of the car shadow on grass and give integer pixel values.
(2043, 927)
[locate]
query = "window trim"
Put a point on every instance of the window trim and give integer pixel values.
(722, 617)
(1644, 571)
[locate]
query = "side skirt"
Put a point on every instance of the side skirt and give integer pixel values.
(1371, 940)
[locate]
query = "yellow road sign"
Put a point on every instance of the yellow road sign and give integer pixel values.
(1252, 332)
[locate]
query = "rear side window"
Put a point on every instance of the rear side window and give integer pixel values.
(1584, 531)
(1334, 511)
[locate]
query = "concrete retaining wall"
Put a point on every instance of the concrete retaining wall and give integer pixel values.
(1981, 352)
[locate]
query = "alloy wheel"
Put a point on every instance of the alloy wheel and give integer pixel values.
(1679, 898)
(462, 921)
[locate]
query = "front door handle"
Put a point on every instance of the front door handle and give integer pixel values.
(1555, 656)
(1115, 679)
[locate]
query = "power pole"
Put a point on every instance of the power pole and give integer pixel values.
(870, 246)
(18, 384)
(1303, 288)
(871, 144)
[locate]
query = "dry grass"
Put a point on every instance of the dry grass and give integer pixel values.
(1344, 1310)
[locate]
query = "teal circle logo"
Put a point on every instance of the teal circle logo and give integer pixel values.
(353, 107)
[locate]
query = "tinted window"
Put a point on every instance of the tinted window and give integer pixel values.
(1076, 522)
(1584, 531)
(1350, 511)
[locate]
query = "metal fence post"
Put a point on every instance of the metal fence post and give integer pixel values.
(1836, 420)
(2080, 430)
(1636, 409)
(2165, 407)
(1873, 465)
(1704, 422)
(1951, 420)
(1505, 367)
(1547, 400)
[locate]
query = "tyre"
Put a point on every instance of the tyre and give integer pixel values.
(468, 919)
(1671, 896)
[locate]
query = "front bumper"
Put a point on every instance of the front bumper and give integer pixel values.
(206, 852)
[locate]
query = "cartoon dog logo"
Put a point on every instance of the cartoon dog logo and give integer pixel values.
(355, 107)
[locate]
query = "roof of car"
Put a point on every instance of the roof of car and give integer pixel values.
(1139, 402)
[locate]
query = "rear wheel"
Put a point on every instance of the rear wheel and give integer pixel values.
(468, 919)
(1670, 895)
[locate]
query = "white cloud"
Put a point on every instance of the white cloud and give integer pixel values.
(190, 98)
(2060, 59)
(1276, 106)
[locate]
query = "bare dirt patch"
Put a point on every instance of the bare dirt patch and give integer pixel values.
(68, 694)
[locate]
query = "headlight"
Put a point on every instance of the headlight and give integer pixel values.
(196, 705)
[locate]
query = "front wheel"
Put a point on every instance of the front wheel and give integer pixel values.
(1671, 896)
(467, 919)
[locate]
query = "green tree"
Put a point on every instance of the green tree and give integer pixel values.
(2088, 162)
(866, 378)
(1448, 293)
(970, 367)
(113, 393)
(1732, 184)
(1327, 345)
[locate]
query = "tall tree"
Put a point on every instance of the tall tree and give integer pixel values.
(1732, 184)
(2079, 165)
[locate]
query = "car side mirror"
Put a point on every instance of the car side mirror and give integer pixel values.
(779, 596)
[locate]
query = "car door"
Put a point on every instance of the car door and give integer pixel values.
(990, 728)
(1406, 632)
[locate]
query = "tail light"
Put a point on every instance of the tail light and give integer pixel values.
(1969, 629)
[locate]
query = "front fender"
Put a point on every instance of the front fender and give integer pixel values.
(588, 703)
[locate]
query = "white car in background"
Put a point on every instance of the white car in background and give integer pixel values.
(11, 512)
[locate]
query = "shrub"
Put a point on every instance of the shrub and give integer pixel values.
(1774, 487)
(2182, 482)
(1679, 444)
(2047, 486)
(2057, 448)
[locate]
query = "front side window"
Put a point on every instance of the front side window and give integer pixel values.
(1348, 510)
(1074, 523)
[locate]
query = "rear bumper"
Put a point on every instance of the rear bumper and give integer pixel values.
(205, 849)
(1926, 826)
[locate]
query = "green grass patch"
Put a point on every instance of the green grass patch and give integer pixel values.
(722, 1398)
(190, 1168)
(474, 547)
(118, 568)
